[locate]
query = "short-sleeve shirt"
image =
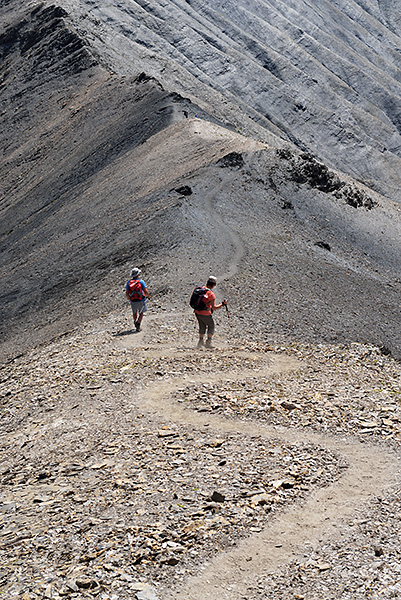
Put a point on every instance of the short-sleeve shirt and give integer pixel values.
(208, 300)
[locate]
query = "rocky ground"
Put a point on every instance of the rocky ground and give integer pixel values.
(132, 465)
(132, 461)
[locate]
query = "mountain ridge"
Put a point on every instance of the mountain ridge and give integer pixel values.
(139, 463)
(79, 204)
(290, 79)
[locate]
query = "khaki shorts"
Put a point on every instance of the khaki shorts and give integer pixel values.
(139, 306)
(205, 322)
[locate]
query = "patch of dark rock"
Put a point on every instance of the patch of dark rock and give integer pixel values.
(287, 205)
(144, 78)
(385, 350)
(307, 170)
(233, 160)
(272, 185)
(317, 175)
(355, 197)
(172, 561)
(184, 190)
(217, 497)
(285, 153)
(87, 584)
(175, 97)
(323, 245)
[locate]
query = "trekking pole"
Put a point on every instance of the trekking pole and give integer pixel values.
(228, 314)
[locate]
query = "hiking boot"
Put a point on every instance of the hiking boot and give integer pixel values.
(138, 326)
(208, 343)
(200, 344)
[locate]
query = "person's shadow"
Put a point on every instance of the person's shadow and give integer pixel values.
(122, 333)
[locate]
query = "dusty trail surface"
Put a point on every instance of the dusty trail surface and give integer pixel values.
(135, 460)
(371, 471)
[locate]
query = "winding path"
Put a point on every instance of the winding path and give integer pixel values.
(238, 248)
(372, 469)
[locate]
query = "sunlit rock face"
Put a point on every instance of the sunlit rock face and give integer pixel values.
(325, 75)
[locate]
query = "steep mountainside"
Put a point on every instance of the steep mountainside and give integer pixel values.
(104, 166)
(325, 75)
(77, 172)
(258, 141)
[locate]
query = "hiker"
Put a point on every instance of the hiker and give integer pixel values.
(136, 292)
(204, 308)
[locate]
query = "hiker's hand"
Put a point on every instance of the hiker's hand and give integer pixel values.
(224, 303)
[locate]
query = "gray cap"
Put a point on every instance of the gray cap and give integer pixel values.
(136, 272)
(212, 278)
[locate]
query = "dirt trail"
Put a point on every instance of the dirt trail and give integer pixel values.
(372, 469)
(225, 232)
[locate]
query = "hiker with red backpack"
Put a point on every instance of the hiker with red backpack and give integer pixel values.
(136, 291)
(203, 301)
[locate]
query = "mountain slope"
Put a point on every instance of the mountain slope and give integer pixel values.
(133, 465)
(325, 76)
(78, 170)
(101, 171)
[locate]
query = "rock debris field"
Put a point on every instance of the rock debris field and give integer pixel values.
(191, 138)
(134, 466)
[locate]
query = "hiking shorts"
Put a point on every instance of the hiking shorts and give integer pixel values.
(205, 322)
(139, 306)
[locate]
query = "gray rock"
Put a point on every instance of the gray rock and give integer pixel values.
(148, 593)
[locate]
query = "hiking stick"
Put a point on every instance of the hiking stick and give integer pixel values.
(228, 314)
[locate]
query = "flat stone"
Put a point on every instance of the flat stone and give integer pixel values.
(217, 497)
(147, 593)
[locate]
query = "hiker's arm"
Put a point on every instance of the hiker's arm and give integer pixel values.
(126, 293)
(145, 291)
(216, 306)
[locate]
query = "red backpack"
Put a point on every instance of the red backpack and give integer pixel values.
(135, 291)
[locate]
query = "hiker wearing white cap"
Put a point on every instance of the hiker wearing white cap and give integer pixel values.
(203, 301)
(137, 292)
